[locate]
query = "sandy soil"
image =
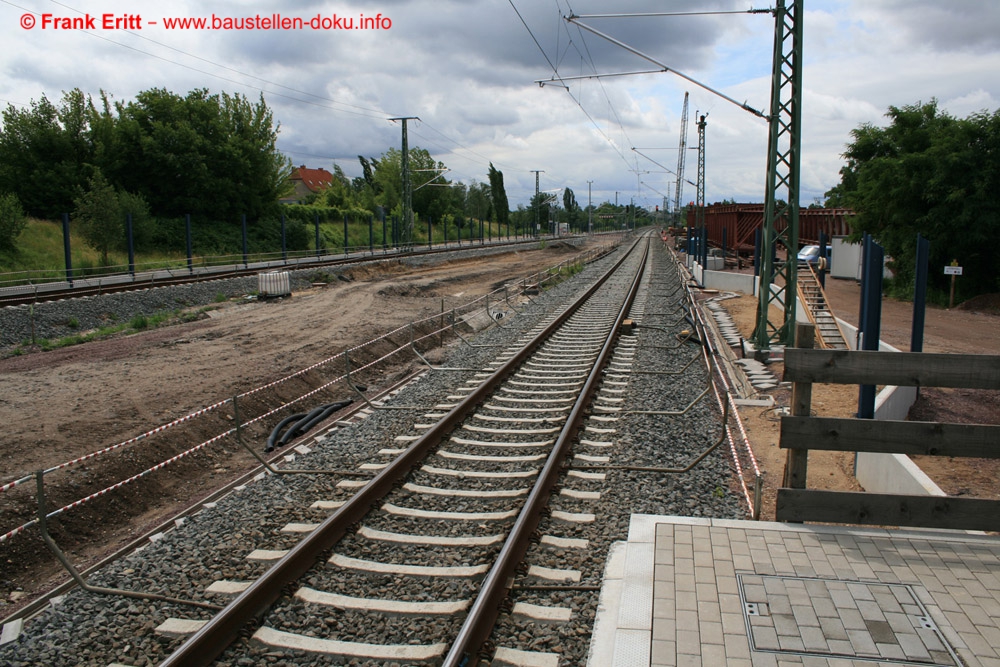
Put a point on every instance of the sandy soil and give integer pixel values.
(66, 403)
(952, 331)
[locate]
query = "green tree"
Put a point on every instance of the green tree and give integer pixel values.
(498, 196)
(101, 214)
(214, 156)
(932, 174)
(571, 207)
(478, 201)
(98, 217)
(340, 194)
(142, 221)
(12, 221)
(540, 206)
(429, 199)
(43, 152)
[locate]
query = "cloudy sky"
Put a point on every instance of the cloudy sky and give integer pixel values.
(467, 69)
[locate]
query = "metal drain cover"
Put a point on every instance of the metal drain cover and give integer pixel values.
(831, 618)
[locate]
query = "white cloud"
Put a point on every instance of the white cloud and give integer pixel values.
(467, 67)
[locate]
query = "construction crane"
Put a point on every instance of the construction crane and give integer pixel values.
(681, 152)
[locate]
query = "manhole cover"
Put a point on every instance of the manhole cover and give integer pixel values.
(831, 618)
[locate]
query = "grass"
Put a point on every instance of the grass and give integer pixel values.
(570, 270)
(555, 275)
(40, 256)
(135, 325)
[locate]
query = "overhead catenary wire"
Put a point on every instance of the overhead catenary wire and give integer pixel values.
(656, 14)
(225, 67)
(555, 71)
(272, 88)
(267, 86)
(743, 105)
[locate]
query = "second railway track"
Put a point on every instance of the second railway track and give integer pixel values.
(510, 483)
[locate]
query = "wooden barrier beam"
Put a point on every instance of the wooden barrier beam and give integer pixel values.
(878, 509)
(890, 437)
(797, 461)
(905, 369)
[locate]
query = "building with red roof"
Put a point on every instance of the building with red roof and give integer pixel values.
(305, 182)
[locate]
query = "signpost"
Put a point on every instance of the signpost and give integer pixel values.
(954, 270)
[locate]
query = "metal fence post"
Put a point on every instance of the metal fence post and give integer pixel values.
(246, 263)
(187, 240)
(130, 240)
(284, 245)
(66, 249)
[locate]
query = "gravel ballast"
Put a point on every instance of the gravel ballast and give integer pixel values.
(88, 629)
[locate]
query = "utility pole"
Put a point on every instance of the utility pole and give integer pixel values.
(590, 210)
(781, 196)
(700, 211)
(537, 203)
(407, 189)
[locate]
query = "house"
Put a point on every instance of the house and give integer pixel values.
(305, 182)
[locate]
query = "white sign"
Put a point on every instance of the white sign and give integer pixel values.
(952, 270)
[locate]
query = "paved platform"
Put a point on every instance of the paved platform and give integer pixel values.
(687, 591)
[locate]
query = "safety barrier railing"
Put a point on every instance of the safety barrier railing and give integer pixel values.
(93, 279)
(748, 472)
(432, 326)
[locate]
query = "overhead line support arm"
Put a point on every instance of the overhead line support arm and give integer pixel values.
(572, 18)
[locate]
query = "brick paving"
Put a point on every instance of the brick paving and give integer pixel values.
(752, 594)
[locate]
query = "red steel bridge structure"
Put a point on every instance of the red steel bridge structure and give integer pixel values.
(741, 222)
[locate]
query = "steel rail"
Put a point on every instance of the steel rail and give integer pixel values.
(478, 625)
(219, 632)
(42, 601)
(11, 296)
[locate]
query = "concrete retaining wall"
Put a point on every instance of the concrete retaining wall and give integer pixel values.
(890, 473)
(722, 280)
(877, 473)
(730, 282)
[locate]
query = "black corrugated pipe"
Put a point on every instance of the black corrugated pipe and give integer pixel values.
(328, 410)
(295, 428)
(303, 423)
(277, 429)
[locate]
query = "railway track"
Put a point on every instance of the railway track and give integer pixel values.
(499, 447)
(482, 530)
(84, 286)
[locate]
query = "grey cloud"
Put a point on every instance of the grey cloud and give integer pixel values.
(954, 25)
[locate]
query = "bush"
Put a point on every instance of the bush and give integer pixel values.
(265, 235)
(97, 215)
(12, 221)
(142, 221)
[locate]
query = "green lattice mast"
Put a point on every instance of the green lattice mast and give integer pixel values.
(781, 202)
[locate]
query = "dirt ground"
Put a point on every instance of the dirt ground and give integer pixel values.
(67, 403)
(957, 331)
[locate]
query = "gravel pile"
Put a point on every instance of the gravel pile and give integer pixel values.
(88, 629)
